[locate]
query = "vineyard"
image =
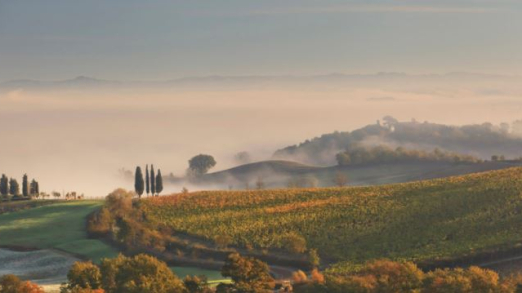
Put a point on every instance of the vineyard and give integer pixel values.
(413, 221)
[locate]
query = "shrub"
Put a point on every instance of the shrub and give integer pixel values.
(294, 242)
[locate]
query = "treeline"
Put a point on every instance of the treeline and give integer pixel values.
(143, 273)
(10, 188)
(119, 221)
(397, 277)
(386, 154)
(153, 183)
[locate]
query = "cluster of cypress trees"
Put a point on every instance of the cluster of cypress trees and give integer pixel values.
(11, 187)
(152, 184)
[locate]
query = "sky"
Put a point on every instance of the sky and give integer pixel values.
(76, 137)
(160, 39)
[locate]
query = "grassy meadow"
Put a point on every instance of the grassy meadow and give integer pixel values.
(61, 226)
(58, 226)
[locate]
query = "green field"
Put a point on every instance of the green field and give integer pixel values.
(58, 226)
(61, 226)
(423, 220)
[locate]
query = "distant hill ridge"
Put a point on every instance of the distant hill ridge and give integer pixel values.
(481, 140)
(240, 80)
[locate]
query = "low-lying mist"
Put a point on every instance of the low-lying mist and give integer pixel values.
(76, 138)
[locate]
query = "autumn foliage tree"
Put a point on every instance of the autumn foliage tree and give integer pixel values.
(249, 275)
(398, 277)
(141, 273)
(137, 274)
(13, 284)
(82, 275)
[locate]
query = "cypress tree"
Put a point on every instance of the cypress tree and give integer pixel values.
(147, 180)
(25, 186)
(159, 183)
(138, 182)
(14, 188)
(4, 185)
(32, 187)
(152, 181)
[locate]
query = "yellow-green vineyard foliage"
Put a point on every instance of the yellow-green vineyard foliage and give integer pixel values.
(412, 221)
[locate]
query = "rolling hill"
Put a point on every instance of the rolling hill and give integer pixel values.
(278, 173)
(481, 140)
(437, 219)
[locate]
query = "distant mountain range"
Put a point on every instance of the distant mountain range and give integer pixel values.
(259, 80)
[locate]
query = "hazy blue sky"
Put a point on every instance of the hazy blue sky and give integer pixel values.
(160, 39)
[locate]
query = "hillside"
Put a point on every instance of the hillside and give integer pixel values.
(482, 140)
(278, 174)
(268, 170)
(419, 221)
(59, 226)
(41, 243)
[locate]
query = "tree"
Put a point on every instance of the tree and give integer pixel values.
(14, 188)
(141, 273)
(343, 159)
(34, 189)
(13, 284)
(195, 284)
(159, 183)
(201, 163)
(147, 180)
(249, 275)
(56, 194)
(83, 275)
(119, 202)
(389, 121)
(4, 185)
(242, 158)
(25, 186)
(152, 181)
(138, 182)
(260, 183)
(340, 179)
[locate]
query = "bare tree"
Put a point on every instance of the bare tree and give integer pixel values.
(340, 179)
(260, 183)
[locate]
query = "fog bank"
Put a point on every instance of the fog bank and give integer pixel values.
(76, 137)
